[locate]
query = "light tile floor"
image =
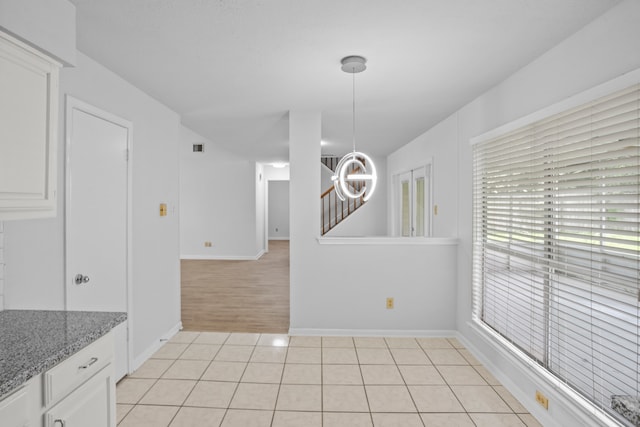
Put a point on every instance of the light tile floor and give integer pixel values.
(252, 380)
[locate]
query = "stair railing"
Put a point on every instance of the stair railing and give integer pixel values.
(334, 210)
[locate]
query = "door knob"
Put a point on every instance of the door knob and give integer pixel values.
(80, 279)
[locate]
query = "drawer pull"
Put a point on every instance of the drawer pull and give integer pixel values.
(57, 423)
(91, 362)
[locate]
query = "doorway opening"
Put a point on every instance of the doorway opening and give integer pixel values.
(245, 295)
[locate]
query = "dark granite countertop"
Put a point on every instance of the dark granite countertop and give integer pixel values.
(33, 341)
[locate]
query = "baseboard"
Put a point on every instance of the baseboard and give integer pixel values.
(373, 332)
(568, 409)
(225, 257)
(146, 354)
(279, 238)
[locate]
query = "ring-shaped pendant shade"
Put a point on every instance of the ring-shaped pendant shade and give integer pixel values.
(368, 175)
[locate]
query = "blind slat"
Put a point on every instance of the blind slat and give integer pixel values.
(557, 243)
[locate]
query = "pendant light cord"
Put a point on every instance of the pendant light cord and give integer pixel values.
(354, 110)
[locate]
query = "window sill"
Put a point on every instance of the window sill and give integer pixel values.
(383, 240)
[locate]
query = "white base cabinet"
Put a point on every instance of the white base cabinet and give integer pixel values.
(78, 392)
(91, 404)
(14, 409)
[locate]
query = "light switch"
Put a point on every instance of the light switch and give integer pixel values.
(163, 209)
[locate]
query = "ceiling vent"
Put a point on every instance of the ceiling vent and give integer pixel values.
(198, 148)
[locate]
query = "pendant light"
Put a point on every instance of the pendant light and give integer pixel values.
(355, 166)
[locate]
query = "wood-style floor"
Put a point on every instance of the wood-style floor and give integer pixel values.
(237, 296)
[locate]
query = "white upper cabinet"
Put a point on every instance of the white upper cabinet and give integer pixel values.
(28, 131)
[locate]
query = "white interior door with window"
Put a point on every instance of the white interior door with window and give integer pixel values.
(414, 204)
(97, 216)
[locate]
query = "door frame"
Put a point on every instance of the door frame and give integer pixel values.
(72, 103)
(396, 196)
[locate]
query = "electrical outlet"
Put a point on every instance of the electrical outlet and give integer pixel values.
(207, 244)
(542, 400)
(389, 303)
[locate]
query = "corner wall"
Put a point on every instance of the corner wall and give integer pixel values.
(278, 196)
(604, 49)
(340, 285)
(47, 25)
(438, 147)
(218, 197)
(34, 249)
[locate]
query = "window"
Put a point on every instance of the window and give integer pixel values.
(557, 244)
(415, 201)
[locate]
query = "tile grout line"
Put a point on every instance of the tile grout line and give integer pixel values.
(156, 380)
(389, 346)
(284, 364)
(226, 411)
(201, 375)
(405, 382)
(321, 382)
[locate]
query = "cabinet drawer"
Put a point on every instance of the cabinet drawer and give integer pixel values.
(90, 405)
(13, 409)
(75, 370)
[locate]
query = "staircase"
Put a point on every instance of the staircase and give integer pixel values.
(333, 210)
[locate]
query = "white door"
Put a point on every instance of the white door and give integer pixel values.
(420, 195)
(406, 225)
(414, 202)
(97, 215)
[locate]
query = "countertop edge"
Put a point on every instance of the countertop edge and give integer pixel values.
(9, 386)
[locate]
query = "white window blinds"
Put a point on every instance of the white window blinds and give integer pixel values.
(557, 244)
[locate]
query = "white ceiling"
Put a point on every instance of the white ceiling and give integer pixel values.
(234, 68)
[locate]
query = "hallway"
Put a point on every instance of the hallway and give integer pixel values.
(237, 296)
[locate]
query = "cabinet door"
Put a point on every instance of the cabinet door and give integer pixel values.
(13, 409)
(28, 124)
(91, 404)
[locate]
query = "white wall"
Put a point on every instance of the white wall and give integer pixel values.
(601, 51)
(34, 249)
(273, 174)
(278, 210)
(48, 25)
(433, 146)
(342, 288)
(325, 178)
(217, 201)
(276, 174)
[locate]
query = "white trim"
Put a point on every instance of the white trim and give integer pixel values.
(372, 332)
(265, 206)
(225, 257)
(580, 409)
(130, 306)
(621, 82)
(71, 103)
(148, 352)
(383, 240)
(279, 238)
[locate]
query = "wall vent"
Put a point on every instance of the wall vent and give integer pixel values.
(198, 148)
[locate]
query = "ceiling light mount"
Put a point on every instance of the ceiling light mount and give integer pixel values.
(354, 64)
